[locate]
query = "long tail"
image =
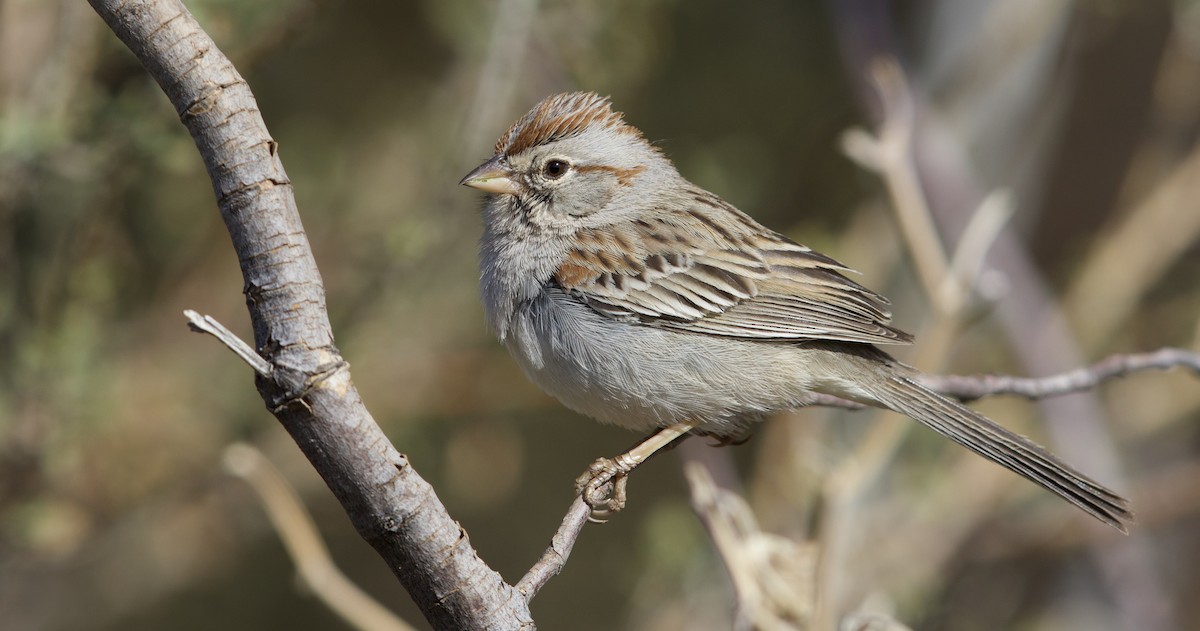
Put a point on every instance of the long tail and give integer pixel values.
(984, 437)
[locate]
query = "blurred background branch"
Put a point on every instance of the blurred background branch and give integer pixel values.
(299, 534)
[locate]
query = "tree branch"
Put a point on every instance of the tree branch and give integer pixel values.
(308, 388)
(774, 578)
(979, 386)
(971, 387)
(555, 557)
(889, 153)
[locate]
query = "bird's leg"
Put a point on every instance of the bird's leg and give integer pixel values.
(602, 486)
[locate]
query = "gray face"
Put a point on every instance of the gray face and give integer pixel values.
(563, 181)
(585, 174)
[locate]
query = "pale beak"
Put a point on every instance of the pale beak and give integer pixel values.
(492, 176)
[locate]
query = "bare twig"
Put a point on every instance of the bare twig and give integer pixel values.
(973, 387)
(971, 252)
(889, 153)
(773, 577)
(555, 556)
(210, 325)
(304, 545)
(979, 386)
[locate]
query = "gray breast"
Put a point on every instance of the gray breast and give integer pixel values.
(642, 377)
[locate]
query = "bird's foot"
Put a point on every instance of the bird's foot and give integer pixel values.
(602, 486)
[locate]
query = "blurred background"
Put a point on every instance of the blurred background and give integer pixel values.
(115, 511)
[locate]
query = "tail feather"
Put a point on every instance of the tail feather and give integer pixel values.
(979, 434)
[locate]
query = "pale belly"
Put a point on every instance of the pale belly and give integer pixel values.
(643, 377)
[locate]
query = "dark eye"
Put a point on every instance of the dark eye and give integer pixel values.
(555, 169)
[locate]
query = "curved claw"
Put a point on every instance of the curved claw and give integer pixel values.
(603, 488)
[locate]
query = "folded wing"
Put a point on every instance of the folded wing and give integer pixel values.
(740, 280)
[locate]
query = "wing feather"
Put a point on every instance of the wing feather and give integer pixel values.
(739, 280)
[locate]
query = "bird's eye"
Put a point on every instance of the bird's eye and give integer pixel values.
(555, 169)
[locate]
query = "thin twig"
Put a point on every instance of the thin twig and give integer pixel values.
(210, 325)
(973, 387)
(773, 576)
(889, 153)
(981, 232)
(978, 386)
(555, 557)
(304, 545)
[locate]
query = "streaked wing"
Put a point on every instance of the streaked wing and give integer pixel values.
(741, 280)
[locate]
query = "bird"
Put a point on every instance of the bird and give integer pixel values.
(640, 299)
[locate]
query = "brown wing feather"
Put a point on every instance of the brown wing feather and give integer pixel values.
(744, 281)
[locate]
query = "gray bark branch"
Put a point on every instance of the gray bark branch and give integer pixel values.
(966, 388)
(308, 387)
(554, 559)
